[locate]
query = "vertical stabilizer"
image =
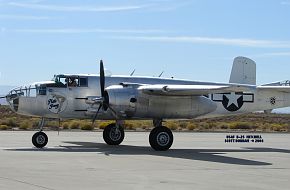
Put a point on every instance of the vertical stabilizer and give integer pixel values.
(243, 71)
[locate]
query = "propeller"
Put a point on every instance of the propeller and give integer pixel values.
(12, 96)
(102, 79)
(104, 99)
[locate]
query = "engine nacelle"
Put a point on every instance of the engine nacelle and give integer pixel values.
(129, 102)
(122, 99)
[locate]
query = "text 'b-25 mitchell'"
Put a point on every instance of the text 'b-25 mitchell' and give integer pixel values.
(120, 98)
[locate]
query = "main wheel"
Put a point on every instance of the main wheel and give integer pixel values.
(161, 138)
(39, 139)
(113, 135)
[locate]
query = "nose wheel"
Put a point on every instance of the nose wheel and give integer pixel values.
(39, 139)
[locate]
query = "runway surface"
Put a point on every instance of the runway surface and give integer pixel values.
(81, 160)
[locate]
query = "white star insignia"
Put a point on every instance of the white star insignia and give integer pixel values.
(233, 99)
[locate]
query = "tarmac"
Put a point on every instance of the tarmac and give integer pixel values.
(81, 160)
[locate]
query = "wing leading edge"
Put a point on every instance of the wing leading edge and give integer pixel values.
(192, 90)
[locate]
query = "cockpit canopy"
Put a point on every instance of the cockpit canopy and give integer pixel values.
(63, 81)
(40, 88)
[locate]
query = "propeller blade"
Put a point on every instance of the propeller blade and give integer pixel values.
(2, 97)
(113, 111)
(105, 105)
(95, 117)
(102, 78)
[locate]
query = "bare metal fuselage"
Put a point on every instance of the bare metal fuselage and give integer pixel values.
(128, 97)
(73, 102)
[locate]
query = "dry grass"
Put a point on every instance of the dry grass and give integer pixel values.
(4, 127)
(250, 122)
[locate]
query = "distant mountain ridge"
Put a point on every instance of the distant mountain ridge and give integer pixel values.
(3, 101)
(4, 90)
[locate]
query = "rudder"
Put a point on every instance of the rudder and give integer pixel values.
(243, 71)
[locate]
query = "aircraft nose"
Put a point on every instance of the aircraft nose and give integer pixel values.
(13, 97)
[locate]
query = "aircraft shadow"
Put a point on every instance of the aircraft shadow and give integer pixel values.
(210, 155)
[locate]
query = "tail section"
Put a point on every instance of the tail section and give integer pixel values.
(243, 71)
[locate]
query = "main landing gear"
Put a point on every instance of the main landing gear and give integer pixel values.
(114, 134)
(40, 139)
(160, 138)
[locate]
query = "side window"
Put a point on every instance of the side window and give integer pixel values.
(42, 90)
(83, 82)
(32, 92)
(72, 81)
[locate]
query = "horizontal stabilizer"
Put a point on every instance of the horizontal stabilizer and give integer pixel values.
(275, 88)
(280, 83)
(283, 86)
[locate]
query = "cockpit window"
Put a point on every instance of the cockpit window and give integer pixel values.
(41, 90)
(83, 82)
(62, 81)
(72, 81)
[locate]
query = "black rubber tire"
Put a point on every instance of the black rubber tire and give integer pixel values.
(39, 139)
(111, 137)
(161, 138)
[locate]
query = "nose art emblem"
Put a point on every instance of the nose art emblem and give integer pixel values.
(55, 103)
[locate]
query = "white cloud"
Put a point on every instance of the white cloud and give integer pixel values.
(272, 54)
(151, 5)
(169, 5)
(77, 8)
(23, 17)
(92, 30)
(210, 40)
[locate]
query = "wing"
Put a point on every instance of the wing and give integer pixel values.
(275, 88)
(192, 90)
(282, 86)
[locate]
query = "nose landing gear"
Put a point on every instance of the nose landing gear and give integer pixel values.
(40, 139)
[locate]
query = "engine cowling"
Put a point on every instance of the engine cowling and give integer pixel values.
(122, 99)
(128, 102)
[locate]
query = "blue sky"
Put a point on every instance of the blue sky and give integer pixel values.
(189, 39)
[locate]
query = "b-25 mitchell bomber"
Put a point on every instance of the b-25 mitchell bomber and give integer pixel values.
(119, 98)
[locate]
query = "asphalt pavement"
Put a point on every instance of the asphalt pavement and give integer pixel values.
(81, 160)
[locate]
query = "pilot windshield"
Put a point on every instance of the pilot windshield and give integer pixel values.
(62, 81)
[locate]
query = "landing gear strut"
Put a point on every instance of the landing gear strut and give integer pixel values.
(40, 139)
(161, 137)
(114, 134)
